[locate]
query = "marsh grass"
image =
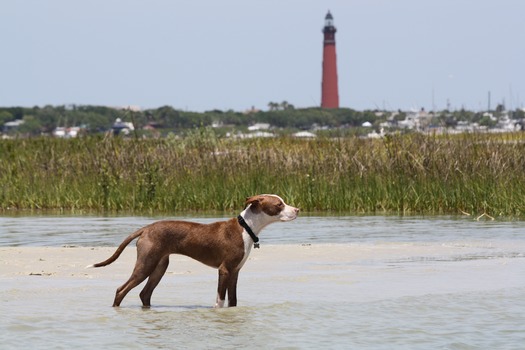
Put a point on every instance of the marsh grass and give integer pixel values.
(401, 174)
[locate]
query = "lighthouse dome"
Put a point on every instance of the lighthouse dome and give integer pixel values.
(329, 20)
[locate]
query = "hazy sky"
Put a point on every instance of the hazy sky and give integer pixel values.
(234, 54)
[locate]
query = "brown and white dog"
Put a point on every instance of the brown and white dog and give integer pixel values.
(224, 245)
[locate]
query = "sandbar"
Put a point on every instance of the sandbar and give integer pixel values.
(273, 273)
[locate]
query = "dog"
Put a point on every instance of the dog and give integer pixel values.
(224, 245)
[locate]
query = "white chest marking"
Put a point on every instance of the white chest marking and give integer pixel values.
(247, 248)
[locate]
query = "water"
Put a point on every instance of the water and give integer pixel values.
(109, 231)
(368, 282)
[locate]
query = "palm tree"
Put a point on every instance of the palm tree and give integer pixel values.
(273, 106)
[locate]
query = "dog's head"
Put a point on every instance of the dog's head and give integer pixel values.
(271, 205)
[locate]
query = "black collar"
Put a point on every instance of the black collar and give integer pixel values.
(243, 223)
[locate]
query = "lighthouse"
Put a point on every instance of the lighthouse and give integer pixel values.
(329, 90)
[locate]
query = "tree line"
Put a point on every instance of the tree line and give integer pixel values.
(97, 119)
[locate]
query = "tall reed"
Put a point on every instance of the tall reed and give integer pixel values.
(410, 174)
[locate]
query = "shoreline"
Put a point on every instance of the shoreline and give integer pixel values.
(61, 274)
(347, 271)
(74, 261)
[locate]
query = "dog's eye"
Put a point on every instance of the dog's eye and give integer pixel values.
(280, 205)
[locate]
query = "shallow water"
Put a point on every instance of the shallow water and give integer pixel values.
(416, 283)
(90, 231)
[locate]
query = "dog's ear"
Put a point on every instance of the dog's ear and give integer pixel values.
(255, 202)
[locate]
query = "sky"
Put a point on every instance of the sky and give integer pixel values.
(201, 55)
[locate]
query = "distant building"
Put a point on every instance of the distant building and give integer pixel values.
(13, 125)
(304, 135)
(259, 126)
(132, 108)
(122, 127)
(66, 133)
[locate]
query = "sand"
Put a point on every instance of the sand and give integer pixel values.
(52, 271)
(273, 273)
(71, 262)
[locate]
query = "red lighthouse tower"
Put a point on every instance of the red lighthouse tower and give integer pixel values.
(329, 90)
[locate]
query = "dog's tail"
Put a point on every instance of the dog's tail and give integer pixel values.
(119, 250)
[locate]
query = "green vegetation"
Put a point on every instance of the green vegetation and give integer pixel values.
(165, 120)
(403, 174)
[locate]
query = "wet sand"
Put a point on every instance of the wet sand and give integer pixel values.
(274, 272)
(71, 262)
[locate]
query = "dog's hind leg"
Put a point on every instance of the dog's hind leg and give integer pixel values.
(153, 281)
(140, 273)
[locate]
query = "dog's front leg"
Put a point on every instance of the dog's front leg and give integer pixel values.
(232, 289)
(224, 279)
